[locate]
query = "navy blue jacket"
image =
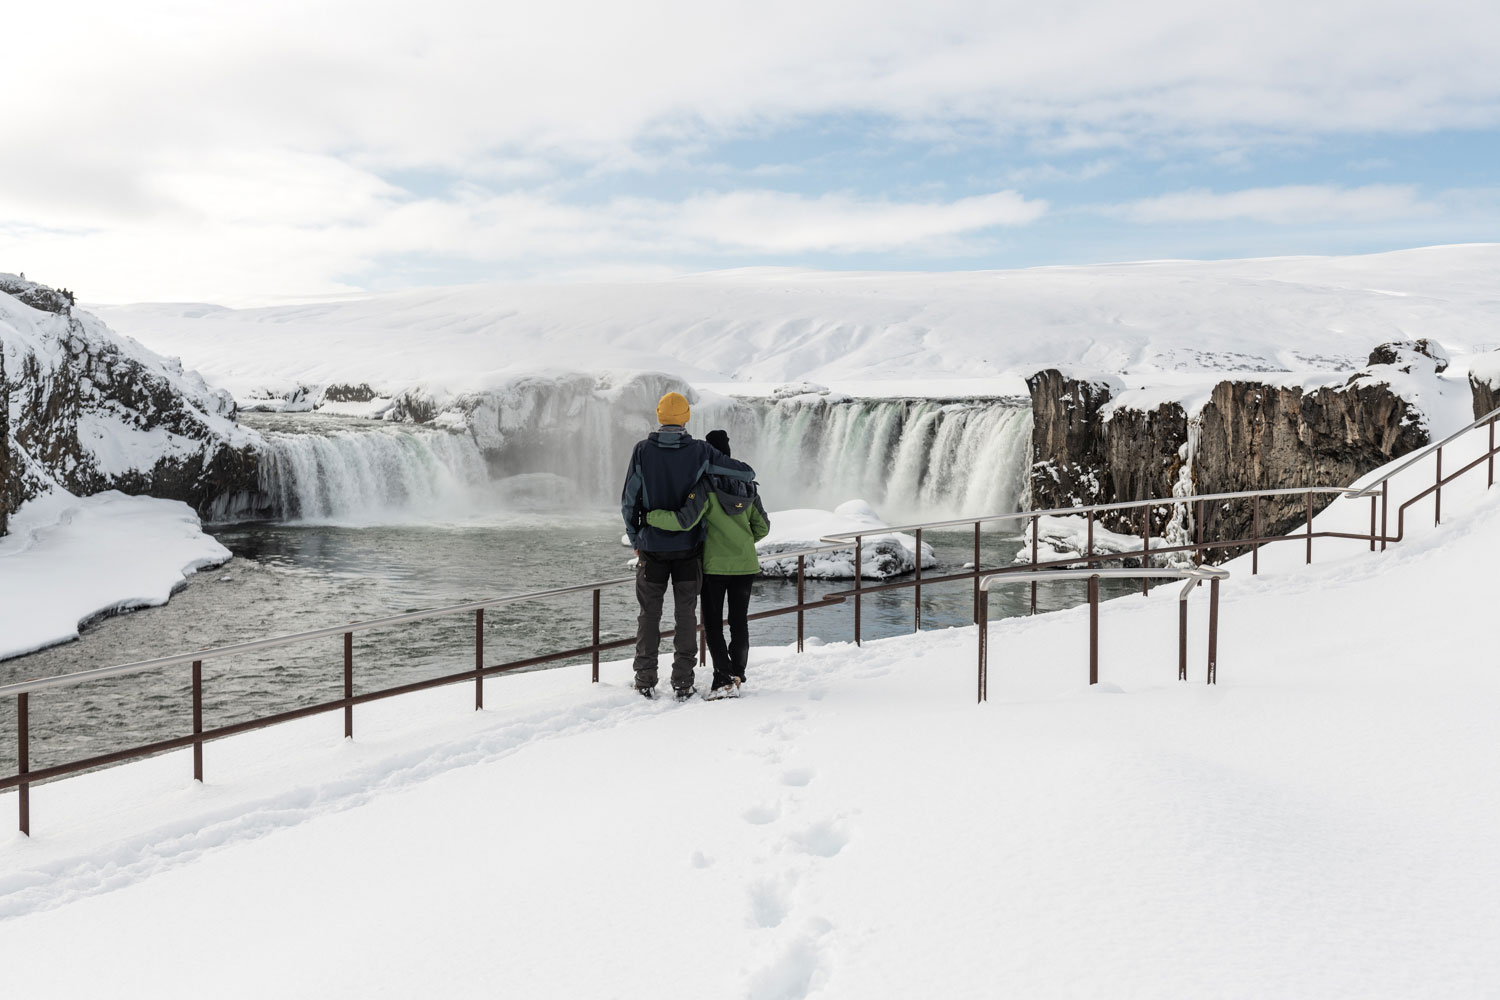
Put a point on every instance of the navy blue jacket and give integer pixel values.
(663, 470)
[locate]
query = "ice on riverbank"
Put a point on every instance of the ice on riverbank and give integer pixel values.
(69, 560)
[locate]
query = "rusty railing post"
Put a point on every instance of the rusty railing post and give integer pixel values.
(478, 659)
(702, 645)
(1213, 631)
(1309, 527)
(1255, 536)
(1088, 554)
(1492, 452)
(917, 627)
(976, 571)
(1437, 509)
(1182, 639)
(1094, 630)
(1146, 550)
(596, 635)
(197, 720)
(23, 760)
(859, 573)
(348, 684)
(984, 652)
(1372, 522)
(1385, 503)
(1198, 529)
(801, 600)
(1033, 560)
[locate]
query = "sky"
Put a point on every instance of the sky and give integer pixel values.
(271, 152)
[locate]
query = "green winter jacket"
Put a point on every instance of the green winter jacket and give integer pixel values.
(735, 523)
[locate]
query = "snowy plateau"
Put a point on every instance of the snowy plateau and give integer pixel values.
(1322, 822)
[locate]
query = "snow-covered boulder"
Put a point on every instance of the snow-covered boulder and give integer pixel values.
(1061, 537)
(884, 555)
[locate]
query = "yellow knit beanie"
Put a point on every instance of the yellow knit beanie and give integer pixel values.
(673, 409)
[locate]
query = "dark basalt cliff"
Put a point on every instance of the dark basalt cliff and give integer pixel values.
(1250, 435)
(92, 411)
(1257, 436)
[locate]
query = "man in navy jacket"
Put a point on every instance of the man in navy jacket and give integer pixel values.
(664, 470)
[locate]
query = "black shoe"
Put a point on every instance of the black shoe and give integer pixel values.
(647, 693)
(683, 694)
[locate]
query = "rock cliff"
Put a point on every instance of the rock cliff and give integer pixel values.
(1248, 434)
(89, 410)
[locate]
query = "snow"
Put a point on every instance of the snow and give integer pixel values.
(1486, 368)
(68, 560)
(1320, 823)
(1061, 536)
(1317, 824)
(883, 555)
(852, 331)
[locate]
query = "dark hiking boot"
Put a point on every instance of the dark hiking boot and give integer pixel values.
(683, 694)
(647, 693)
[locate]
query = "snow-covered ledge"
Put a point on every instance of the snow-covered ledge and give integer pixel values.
(69, 560)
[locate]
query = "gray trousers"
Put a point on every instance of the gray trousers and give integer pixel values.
(684, 570)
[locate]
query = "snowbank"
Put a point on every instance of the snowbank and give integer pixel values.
(69, 560)
(883, 555)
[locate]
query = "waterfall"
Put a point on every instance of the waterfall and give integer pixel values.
(371, 475)
(563, 441)
(914, 460)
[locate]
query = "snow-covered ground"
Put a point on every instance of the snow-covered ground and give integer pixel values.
(856, 332)
(1325, 822)
(70, 559)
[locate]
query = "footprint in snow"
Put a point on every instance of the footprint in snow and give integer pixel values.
(762, 814)
(822, 840)
(768, 904)
(798, 777)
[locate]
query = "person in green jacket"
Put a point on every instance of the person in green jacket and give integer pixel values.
(735, 520)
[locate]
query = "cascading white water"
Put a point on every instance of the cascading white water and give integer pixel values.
(371, 476)
(564, 442)
(913, 459)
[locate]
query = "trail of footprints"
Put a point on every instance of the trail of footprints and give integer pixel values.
(795, 849)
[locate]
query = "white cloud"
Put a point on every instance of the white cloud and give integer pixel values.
(1287, 205)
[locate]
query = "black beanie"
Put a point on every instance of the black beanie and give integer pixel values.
(719, 439)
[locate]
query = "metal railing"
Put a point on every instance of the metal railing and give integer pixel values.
(1194, 575)
(1036, 569)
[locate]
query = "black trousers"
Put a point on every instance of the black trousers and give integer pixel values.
(652, 573)
(728, 661)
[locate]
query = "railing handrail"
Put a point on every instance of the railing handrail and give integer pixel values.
(272, 642)
(1022, 515)
(1425, 452)
(1193, 574)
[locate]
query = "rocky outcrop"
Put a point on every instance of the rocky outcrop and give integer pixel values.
(1258, 436)
(1083, 453)
(1067, 440)
(92, 411)
(1087, 449)
(1484, 382)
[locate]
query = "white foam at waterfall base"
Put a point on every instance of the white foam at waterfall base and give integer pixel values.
(377, 476)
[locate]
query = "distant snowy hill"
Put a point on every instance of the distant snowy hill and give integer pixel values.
(774, 325)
